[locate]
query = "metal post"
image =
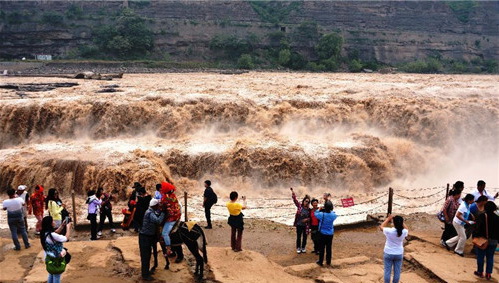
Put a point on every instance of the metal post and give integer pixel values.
(447, 192)
(390, 201)
(185, 207)
(74, 207)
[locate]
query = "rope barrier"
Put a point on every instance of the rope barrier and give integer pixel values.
(419, 206)
(424, 189)
(274, 209)
(427, 196)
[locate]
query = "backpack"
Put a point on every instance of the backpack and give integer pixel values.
(214, 198)
(54, 265)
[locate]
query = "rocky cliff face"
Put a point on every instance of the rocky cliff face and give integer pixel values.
(389, 32)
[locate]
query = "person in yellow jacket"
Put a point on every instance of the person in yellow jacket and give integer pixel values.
(54, 206)
(236, 221)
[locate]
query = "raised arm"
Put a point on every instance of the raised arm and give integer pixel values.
(293, 196)
(385, 223)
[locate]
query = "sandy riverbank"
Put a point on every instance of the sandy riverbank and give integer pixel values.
(268, 256)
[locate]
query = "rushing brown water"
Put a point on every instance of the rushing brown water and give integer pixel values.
(253, 132)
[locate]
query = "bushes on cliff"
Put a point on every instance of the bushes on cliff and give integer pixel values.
(52, 18)
(355, 66)
(274, 11)
(128, 38)
(245, 62)
(329, 50)
(232, 46)
(462, 9)
(429, 66)
(74, 12)
(329, 46)
(306, 34)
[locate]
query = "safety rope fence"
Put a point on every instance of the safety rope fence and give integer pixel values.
(283, 209)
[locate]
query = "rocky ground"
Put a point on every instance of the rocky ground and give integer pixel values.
(268, 256)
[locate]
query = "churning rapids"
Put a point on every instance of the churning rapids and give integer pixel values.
(254, 132)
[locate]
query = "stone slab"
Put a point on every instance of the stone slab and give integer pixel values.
(350, 261)
(247, 266)
(447, 266)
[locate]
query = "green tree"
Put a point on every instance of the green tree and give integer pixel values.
(129, 38)
(306, 34)
(120, 46)
(245, 62)
(232, 46)
(329, 46)
(330, 64)
(355, 65)
(284, 57)
(297, 61)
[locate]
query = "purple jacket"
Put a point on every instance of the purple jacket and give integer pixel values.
(301, 213)
(93, 204)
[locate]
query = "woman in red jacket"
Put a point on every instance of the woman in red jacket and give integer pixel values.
(37, 200)
(169, 202)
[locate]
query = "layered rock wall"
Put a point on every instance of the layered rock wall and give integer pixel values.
(389, 32)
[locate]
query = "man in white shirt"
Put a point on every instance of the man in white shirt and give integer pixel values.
(22, 192)
(480, 191)
(15, 218)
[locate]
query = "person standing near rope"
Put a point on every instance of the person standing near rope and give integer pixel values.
(210, 198)
(37, 201)
(22, 192)
(14, 205)
(302, 222)
(393, 253)
(147, 236)
(236, 221)
(326, 219)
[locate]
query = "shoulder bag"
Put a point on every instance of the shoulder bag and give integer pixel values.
(481, 242)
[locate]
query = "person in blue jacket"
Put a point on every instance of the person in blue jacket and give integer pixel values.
(326, 231)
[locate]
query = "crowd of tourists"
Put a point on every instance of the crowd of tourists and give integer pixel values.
(472, 216)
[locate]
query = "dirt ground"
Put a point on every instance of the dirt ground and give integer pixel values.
(268, 256)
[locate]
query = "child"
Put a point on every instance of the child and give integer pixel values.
(236, 221)
(157, 194)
